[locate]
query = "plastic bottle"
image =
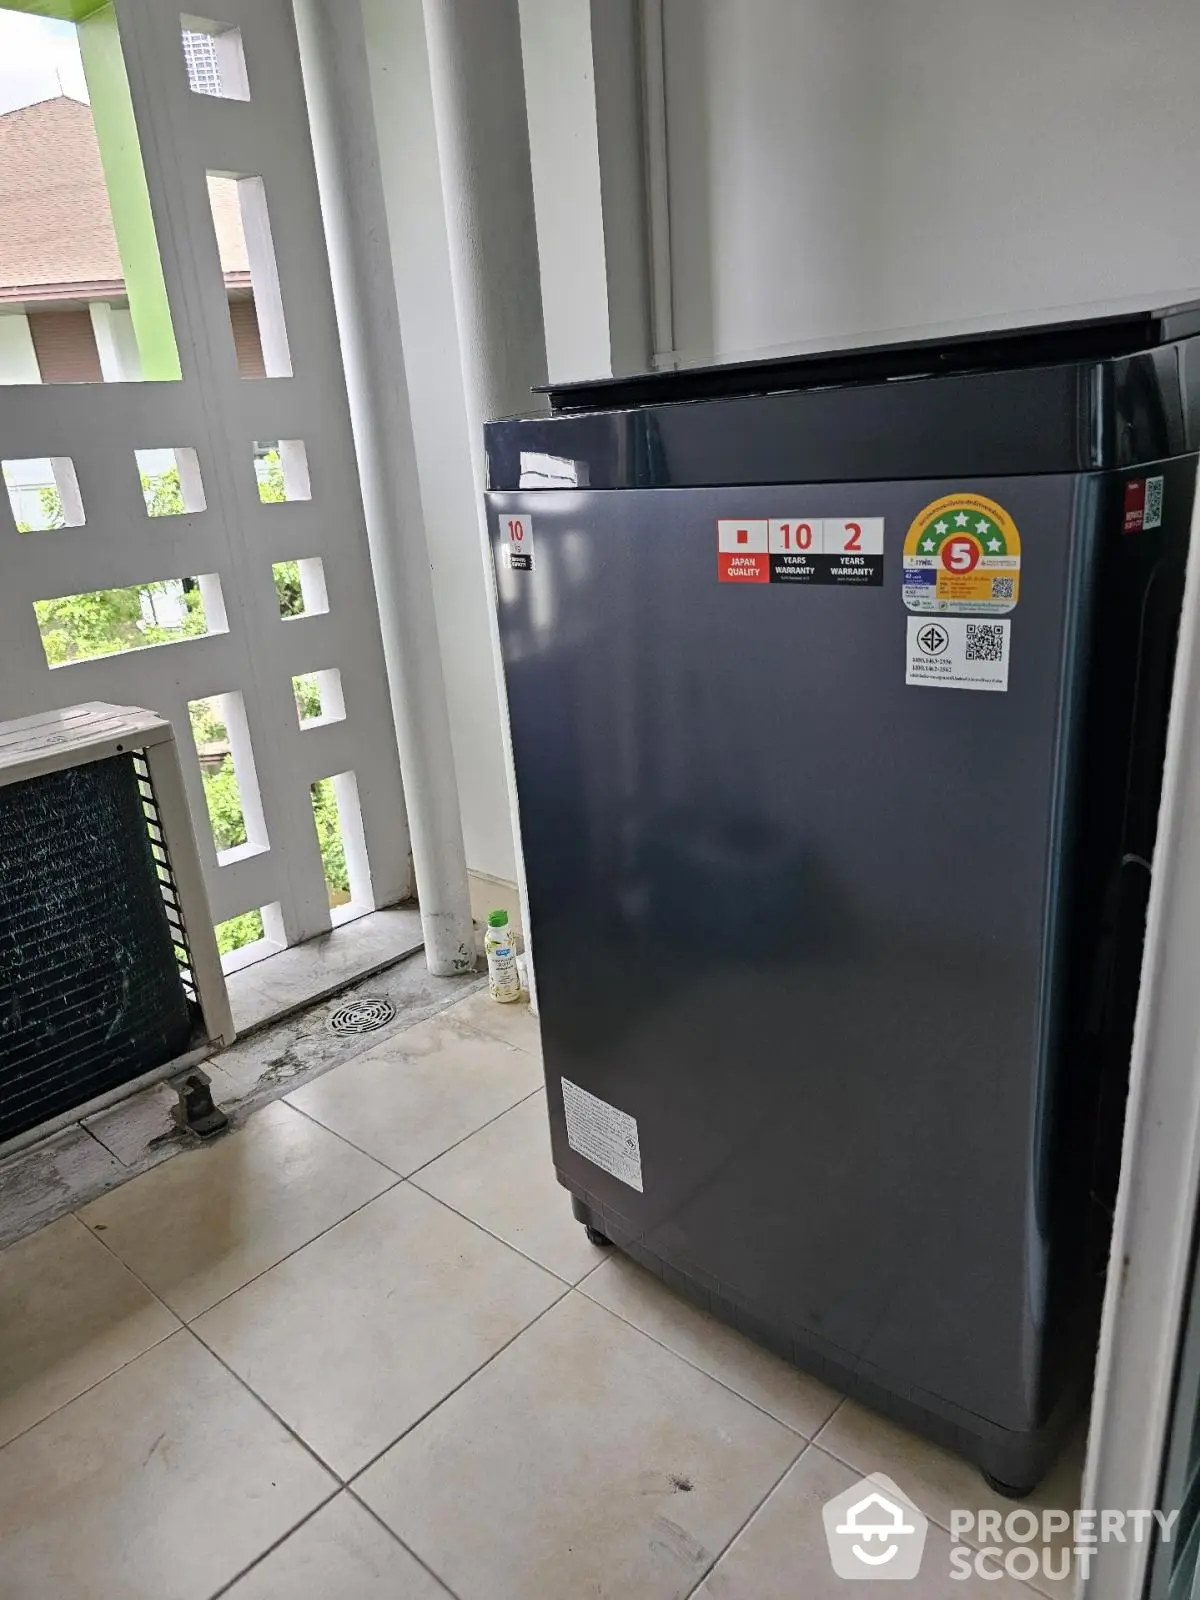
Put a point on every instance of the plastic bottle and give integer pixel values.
(504, 981)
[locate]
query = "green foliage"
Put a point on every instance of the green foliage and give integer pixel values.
(53, 515)
(287, 573)
(207, 727)
(329, 837)
(225, 806)
(246, 929)
(308, 697)
(287, 588)
(79, 627)
(163, 493)
(270, 479)
(82, 626)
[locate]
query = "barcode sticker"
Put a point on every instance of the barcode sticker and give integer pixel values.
(1152, 516)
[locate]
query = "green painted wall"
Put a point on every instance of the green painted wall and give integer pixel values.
(133, 223)
(61, 10)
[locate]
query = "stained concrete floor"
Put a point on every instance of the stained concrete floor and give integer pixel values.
(48, 1179)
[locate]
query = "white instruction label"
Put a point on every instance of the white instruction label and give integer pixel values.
(517, 535)
(958, 653)
(602, 1134)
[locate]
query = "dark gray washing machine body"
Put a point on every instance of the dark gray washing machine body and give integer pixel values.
(854, 954)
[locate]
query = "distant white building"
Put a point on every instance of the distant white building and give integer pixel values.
(200, 54)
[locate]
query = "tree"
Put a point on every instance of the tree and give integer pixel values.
(80, 627)
(239, 931)
(329, 838)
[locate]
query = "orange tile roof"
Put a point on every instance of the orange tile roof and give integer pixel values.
(56, 232)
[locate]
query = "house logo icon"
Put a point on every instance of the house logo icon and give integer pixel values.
(874, 1531)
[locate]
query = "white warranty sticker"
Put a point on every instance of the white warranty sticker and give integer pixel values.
(958, 653)
(602, 1134)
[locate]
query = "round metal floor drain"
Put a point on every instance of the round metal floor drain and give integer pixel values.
(364, 1015)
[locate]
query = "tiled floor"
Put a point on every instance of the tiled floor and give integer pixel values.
(358, 1349)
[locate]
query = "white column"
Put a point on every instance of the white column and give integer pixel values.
(333, 59)
(18, 358)
(478, 90)
(116, 342)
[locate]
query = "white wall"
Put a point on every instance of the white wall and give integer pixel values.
(560, 94)
(583, 104)
(416, 223)
(771, 162)
(842, 166)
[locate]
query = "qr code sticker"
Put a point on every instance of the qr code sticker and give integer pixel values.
(1154, 499)
(1002, 588)
(985, 642)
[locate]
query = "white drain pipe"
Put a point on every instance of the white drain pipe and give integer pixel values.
(334, 64)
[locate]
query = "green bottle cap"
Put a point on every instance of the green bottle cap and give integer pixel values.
(497, 919)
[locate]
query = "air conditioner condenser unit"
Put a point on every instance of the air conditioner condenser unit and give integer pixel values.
(110, 978)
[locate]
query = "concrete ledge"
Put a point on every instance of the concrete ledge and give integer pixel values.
(300, 976)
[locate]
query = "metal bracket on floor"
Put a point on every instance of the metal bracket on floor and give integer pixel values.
(196, 1111)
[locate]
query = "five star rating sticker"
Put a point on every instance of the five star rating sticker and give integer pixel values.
(962, 553)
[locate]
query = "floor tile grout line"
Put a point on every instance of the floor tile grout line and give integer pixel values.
(325, 1128)
(507, 1243)
(83, 1128)
(346, 1481)
(268, 1408)
(568, 1288)
(475, 1027)
(183, 1328)
(390, 1189)
(856, 1466)
(864, 1472)
(62, 1406)
(804, 1443)
(737, 1533)
(275, 1544)
(188, 1321)
(406, 1176)
(189, 1324)
(791, 1427)
(470, 1377)
(391, 1532)
(533, 1093)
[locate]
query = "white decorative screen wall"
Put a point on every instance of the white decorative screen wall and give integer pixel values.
(291, 668)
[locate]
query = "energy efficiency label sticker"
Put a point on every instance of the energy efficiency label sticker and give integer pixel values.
(962, 553)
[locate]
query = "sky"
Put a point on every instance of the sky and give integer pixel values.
(38, 58)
